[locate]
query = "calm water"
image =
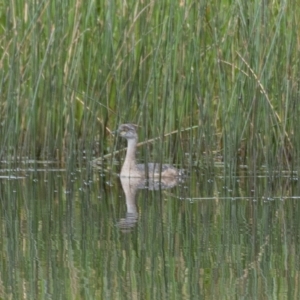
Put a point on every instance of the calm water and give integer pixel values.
(83, 235)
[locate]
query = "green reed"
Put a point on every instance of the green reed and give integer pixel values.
(72, 71)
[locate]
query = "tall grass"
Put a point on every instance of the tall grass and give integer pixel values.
(73, 70)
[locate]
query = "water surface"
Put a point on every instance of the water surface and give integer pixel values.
(79, 235)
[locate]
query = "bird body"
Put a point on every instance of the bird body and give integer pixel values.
(131, 169)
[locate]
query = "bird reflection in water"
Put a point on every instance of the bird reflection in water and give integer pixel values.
(130, 187)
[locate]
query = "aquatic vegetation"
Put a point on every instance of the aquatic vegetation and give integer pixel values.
(221, 75)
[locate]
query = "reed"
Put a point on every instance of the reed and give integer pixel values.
(228, 70)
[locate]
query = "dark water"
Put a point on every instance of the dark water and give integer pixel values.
(83, 235)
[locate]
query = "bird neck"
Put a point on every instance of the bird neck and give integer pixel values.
(130, 161)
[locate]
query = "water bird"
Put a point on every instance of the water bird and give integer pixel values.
(131, 169)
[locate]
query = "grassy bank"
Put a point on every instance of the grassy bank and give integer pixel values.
(73, 70)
